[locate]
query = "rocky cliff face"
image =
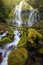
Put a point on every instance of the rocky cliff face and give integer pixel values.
(37, 4)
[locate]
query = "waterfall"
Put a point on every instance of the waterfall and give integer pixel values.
(33, 14)
(33, 18)
(4, 34)
(17, 13)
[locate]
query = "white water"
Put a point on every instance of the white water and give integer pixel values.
(33, 15)
(17, 13)
(32, 18)
(9, 47)
(4, 34)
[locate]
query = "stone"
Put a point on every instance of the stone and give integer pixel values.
(0, 57)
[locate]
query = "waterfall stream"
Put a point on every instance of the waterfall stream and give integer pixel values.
(31, 20)
(33, 15)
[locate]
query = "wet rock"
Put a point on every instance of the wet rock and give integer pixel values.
(30, 62)
(20, 36)
(0, 57)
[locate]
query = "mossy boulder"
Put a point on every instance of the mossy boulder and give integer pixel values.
(34, 33)
(22, 43)
(18, 57)
(9, 30)
(40, 50)
(39, 27)
(10, 35)
(34, 36)
(5, 40)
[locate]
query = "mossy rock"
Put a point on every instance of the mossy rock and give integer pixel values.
(34, 37)
(5, 40)
(18, 57)
(1, 32)
(32, 33)
(39, 27)
(31, 36)
(22, 43)
(10, 34)
(26, 6)
(25, 11)
(23, 31)
(40, 50)
(9, 30)
(25, 18)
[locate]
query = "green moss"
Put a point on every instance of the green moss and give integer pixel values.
(41, 51)
(1, 32)
(25, 18)
(25, 6)
(33, 33)
(5, 40)
(18, 57)
(22, 42)
(34, 36)
(31, 36)
(39, 27)
(23, 31)
(9, 35)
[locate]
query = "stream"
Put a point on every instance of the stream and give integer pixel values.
(9, 47)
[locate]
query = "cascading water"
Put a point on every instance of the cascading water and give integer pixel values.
(17, 13)
(9, 47)
(33, 14)
(33, 18)
(18, 18)
(4, 34)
